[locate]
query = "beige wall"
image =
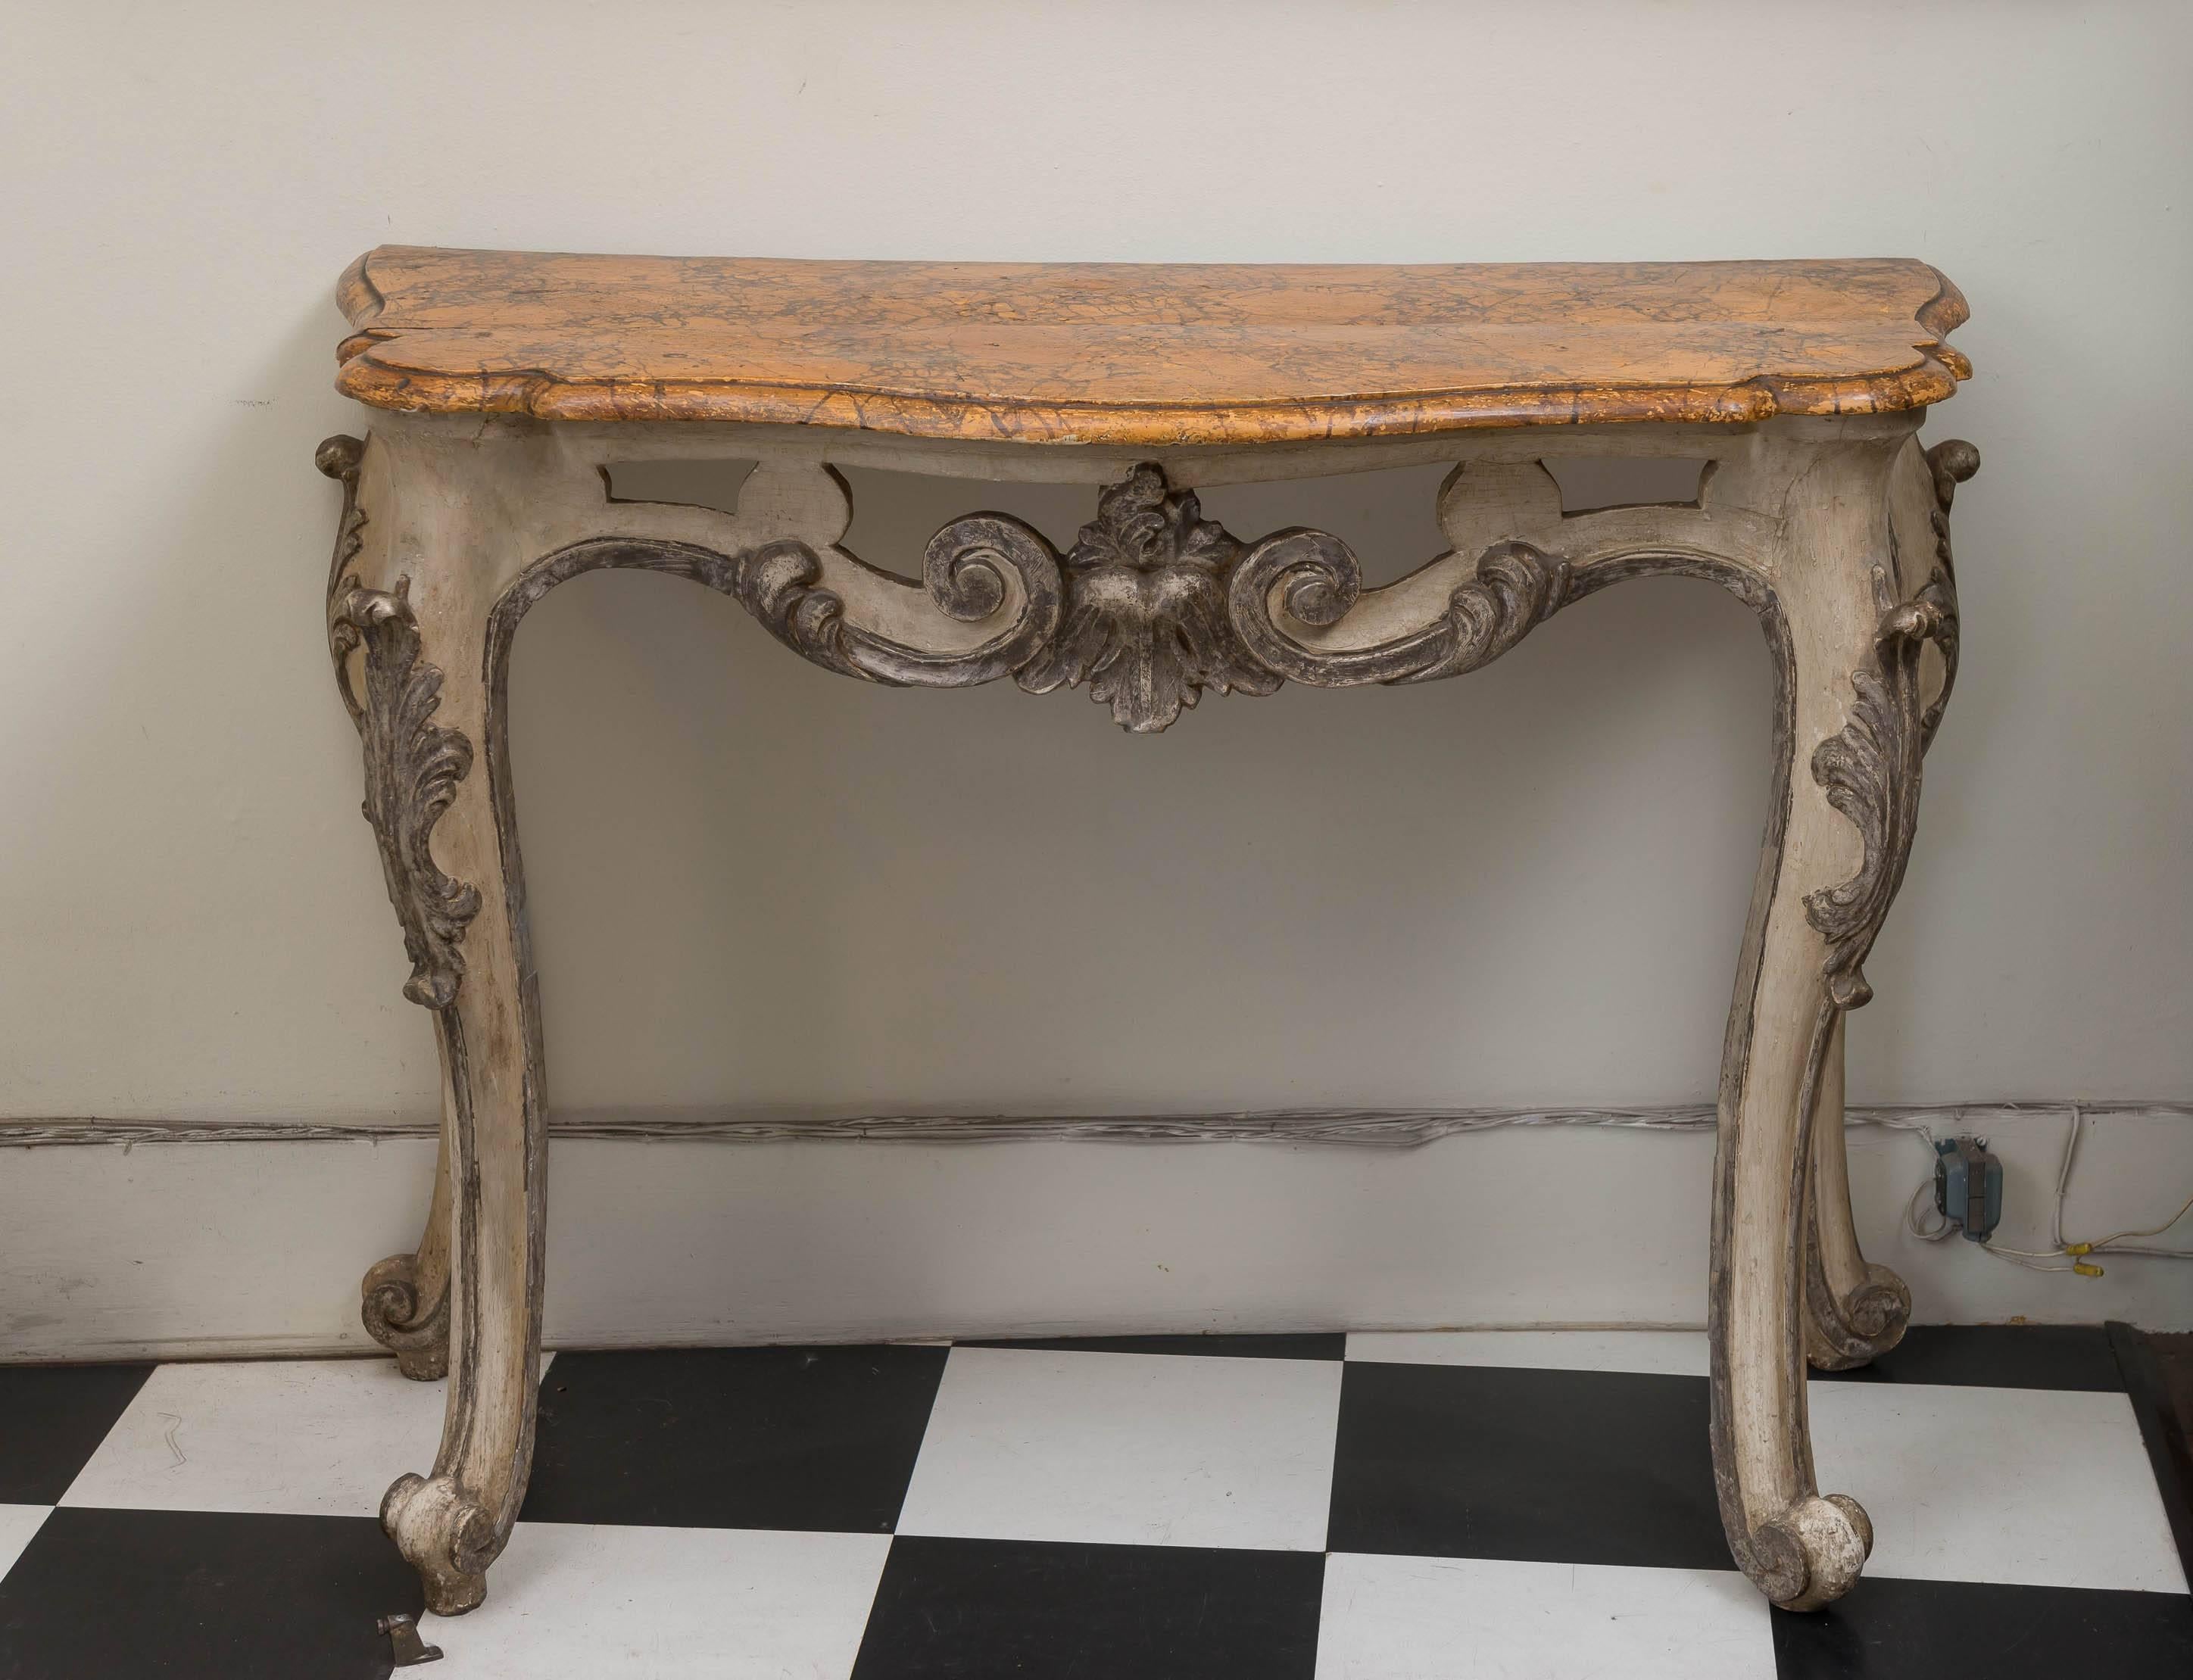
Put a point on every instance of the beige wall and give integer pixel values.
(755, 883)
(664, 1242)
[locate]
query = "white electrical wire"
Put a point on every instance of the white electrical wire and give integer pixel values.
(2064, 1173)
(2155, 1254)
(1947, 1228)
(2184, 1208)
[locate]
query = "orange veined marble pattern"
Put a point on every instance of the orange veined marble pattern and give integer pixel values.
(1142, 354)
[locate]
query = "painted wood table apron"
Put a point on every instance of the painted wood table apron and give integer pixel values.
(504, 384)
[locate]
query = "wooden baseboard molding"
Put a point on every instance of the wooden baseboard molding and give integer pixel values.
(1363, 1128)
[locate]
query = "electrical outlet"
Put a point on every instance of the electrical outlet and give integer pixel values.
(1968, 1187)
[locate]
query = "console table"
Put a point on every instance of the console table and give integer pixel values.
(504, 383)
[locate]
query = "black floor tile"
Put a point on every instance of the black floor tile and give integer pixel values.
(970, 1609)
(1541, 1466)
(1310, 1346)
(1997, 1355)
(2163, 1420)
(1923, 1629)
(52, 1419)
(743, 1437)
(151, 1595)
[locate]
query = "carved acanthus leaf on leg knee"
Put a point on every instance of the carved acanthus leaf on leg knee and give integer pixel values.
(412, 770)
(1871, 769)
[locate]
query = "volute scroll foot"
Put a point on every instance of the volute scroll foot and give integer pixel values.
(416, 1330)
(444, 1534)
(1811, 1554)
(1842, 1334)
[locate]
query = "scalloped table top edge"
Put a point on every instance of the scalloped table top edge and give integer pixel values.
(1139, 353)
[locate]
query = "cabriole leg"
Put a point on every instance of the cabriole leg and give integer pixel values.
(1851, 634)
(1800, 1549)
(1857, 1311)
(410, 656)
(404, 1299)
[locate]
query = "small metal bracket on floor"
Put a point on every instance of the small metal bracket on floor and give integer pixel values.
(410, 1649)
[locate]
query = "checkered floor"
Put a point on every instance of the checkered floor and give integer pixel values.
(1368, 1507)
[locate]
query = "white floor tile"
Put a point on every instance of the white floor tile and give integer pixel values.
(1479, 1619)
(2025, 1485)
(18, 1523)
(569, 1602)
(308, 1437)
(1678, 1352)
(1129, 1448)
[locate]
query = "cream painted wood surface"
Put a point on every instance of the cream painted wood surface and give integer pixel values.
(452, 529)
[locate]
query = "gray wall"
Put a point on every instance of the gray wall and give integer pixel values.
(1524, 888)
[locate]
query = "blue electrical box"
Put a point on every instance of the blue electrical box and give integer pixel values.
(1968, 1187)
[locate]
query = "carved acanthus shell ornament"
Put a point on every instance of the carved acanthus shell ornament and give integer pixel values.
(1146, 624)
